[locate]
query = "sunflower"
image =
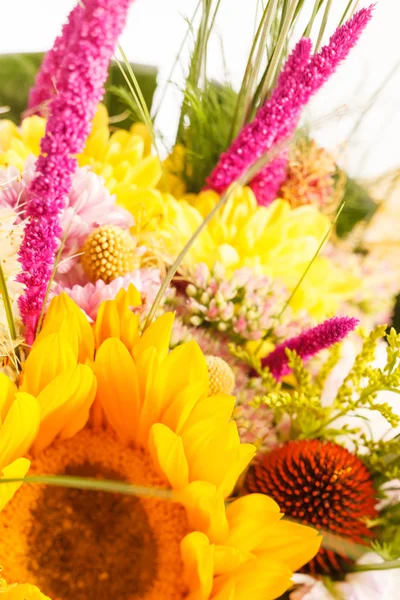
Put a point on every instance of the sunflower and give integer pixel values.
(108, 402)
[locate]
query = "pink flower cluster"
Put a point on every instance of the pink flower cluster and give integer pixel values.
(275, 122)
(82, 74)
(244, 307)
(88, 205)
(89, 296)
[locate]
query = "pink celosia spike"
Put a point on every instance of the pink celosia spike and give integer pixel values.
(259, 136)
(82, 75)
(46, 82)
(309, 343)
(276, 121)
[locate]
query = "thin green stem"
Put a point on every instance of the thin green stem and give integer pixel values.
(8, 309)
(243, 180)
(7, 305)
(280, 44)
(317, 6)
(321, 245)
(267, 21)
(87, 483)
(385, 566)
(323, 25)
(177, 57)
(349, 9)
(138, 97)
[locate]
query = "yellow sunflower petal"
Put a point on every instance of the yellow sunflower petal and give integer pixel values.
(16, 470)
(215, 454)
(107, 322)
(228, 559)
(181, 407)
(64, 405)
(23, 591)
(19, 428)
(218, 407)
(64, 313)
(205, 507)
(250, 518)
(258, 579)
(292, 543)
(167, 451)
(7, 393)
(157, 336)
(173, 377)
(118, 388)
(49, 357)
(198, 561)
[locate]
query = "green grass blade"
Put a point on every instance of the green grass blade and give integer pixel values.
(310, 264)
(243, 180)
(98, 485)
(323, 25)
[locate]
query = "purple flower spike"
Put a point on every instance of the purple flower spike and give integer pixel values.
(309, 343)
(302, 77)
(81, 77)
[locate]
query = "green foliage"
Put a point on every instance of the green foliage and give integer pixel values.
(17, 75)
(301, 401)
(359, 206)
(205, 130)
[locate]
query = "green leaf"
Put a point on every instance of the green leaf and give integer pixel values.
(17, 75)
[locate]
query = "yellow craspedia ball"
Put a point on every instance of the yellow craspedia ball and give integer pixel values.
(109, 252)
(221, 376)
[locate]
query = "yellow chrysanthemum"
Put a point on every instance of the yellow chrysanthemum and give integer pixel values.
(150, 423)
(278, 241)
(122, 157)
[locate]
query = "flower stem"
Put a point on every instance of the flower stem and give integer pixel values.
(87, 483)
(243, 180)
(385, 566)
(8, 308)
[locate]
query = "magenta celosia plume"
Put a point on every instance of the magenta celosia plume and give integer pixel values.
(309, 343)
(81, 78)
(277, 120)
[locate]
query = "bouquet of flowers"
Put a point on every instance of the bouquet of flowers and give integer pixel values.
(197, 391)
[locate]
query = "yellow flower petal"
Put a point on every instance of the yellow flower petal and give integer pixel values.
(256, 579)
(228, 559)
(215, 454)
(63, 314)
(49, 357)
(167, 451)
(107, 322)
(291, 543)
(7, 394)
(174, 378)
(118, 388)
(16, 470)
(181, 407)
(157, 336)
(198, 558)
(64, 405)
(19, 428)
(219, 408)
(147, 173)
(205, 508)
(250, 519)
(22, 591)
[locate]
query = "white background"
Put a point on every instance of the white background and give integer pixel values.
(156, 28)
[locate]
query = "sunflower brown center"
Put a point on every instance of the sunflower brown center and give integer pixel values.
(87, 545)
